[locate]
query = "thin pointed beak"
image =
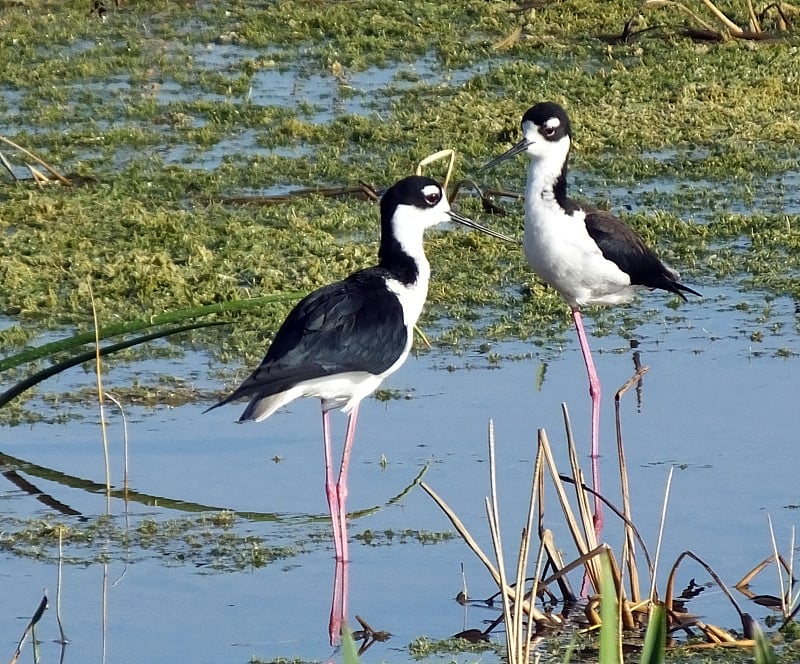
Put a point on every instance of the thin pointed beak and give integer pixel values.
(519, 147)
(475, 226)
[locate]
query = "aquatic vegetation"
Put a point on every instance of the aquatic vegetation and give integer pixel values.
(209, 542)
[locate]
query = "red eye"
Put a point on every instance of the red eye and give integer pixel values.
(433, 198)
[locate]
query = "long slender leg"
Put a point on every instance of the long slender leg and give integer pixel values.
(594, 393)
(341, 483)
(336, 493)
(331, 490)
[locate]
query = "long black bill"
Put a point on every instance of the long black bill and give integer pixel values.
(483, 229)
(519, 147)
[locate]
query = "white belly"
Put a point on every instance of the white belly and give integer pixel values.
(561, 252)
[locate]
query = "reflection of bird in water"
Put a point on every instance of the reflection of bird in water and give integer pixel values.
(589, 256)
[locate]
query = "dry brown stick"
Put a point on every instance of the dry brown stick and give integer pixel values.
(572, 524)
(582, 496)
(734, 29)
(524, 553)
(670, 589)
(666, 3)
(43, 163)
(492, 512)
(459, 526)
(7, 166)
(37, 615)
(630, 558)
(754, 24)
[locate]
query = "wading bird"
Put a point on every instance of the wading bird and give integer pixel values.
(340, 342)
(589, 256)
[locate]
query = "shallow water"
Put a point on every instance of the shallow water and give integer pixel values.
(722, 410)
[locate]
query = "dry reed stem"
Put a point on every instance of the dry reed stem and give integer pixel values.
(716, 634)
(672, 3)
(447, 153)
(125, 475)
(43, 163)
(580, 561)
(775, 554)
(742, 584)
(422, 336)
(459, 526)
(99, 374)
(653, 596)
(557, 562)
(493, 515)
(37, 615)
(742, 643)
(789, 606)
(755, 26)
(581, 494)
(104, 616)
(572, 524)
(524, 551)
(625, 613)
(59, 586)
(39, 178)
(793, 597)
(730, 25)
(629, 546)
(534, 593)
(7, 166)
(670, 589)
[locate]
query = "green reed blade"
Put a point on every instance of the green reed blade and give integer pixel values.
(20, 387)
(45, 350)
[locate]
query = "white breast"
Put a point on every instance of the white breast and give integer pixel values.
(563, 254)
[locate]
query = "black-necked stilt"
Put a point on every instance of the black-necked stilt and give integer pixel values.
(341, 341)
(589, 256)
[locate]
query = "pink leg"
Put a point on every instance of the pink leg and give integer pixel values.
(594, 393)
(331, 490)
(337, 497)
(341, 483)
(339, 602)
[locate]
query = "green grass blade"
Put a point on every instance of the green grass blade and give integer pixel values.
(655, 638)
(20, 387)
(610, 636)
(169, 317)
(764, 652)
(350, 654)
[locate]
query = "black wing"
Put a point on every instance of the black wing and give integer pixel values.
(351, 325)
(620, 244)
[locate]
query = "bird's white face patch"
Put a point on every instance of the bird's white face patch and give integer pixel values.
(542, 147)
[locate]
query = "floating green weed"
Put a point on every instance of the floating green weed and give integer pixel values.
(697, 140)
(210, 542)
(388, 537)
(423, 647)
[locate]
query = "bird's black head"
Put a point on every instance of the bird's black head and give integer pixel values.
(415, 191)
(546, 138)
(551, 120)
(407, 208)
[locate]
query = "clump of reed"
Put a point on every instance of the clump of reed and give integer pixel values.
(608, 577)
